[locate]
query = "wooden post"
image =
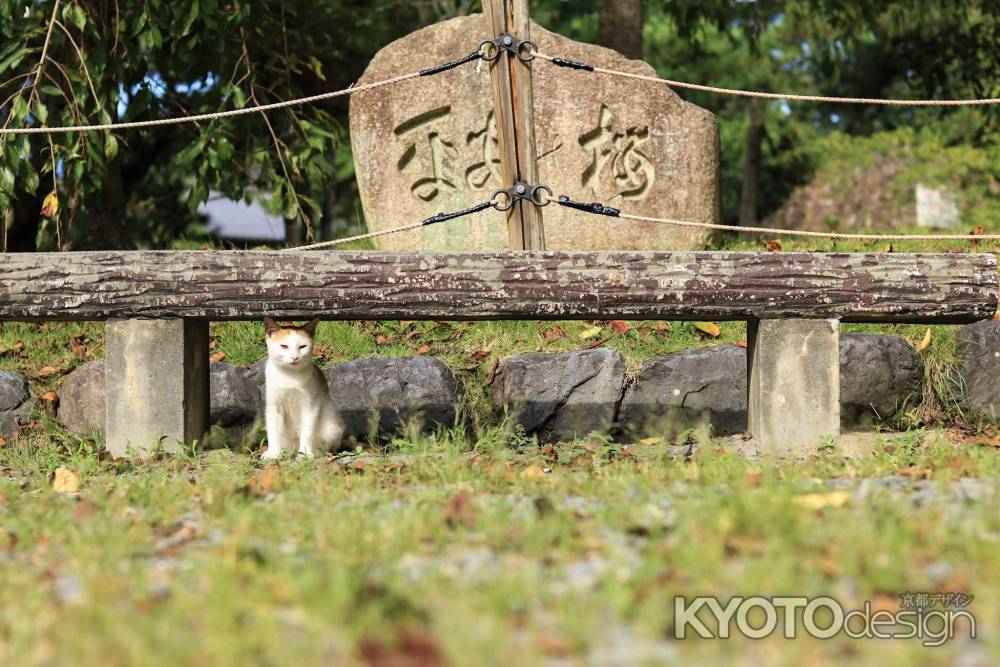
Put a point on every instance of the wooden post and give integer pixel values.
(513, 109)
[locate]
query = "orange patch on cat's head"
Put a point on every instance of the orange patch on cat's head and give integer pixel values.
(274, 331)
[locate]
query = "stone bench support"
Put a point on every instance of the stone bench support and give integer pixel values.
(157, 384)
(793, 384)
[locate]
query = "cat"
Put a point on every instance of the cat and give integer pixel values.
(301, 417)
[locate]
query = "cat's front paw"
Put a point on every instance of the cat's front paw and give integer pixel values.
(271, 455)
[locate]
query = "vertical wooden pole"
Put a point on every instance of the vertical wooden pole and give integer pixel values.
(513, 107)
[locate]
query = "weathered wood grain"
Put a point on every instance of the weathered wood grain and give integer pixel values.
(483, 286)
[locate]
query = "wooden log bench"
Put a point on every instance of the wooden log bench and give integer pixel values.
(158, 305)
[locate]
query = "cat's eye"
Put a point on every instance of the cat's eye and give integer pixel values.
(284, 347)
(302, 347)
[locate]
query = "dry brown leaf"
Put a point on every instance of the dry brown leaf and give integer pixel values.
(926, 342)
(663, 326)
(424, 349)
(887, 249)
(597, 343)
(708, 328)
(412, 649)
(3, 442)
(261, 483)
(773, 245)
(815, 501)
(65, 481)
(217, 357)
(619, 326)
(492, 375)
(553, 333)
(743, 343)
(49, 396)
(46, 372)
(380, 339)
(458, 510)
(532, 472)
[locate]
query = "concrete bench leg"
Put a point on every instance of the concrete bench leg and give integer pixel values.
(794, 384)
(157, 384)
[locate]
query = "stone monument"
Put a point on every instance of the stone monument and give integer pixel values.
(429, 145)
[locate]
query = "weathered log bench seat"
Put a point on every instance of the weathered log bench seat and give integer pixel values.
(158, 305)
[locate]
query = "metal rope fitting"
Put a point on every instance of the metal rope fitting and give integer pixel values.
(597, 208)
(539, 195)
(523, 50)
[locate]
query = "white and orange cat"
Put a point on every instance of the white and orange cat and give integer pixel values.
(301, 417)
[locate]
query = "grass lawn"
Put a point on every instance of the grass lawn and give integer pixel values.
(478, 546)
(450, 550)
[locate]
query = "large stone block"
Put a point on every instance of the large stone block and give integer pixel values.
(979, 369)
(560, 396)
(879, 376)
(378, 396)
(157, 384)
(686, 389)
(430, 144)
(794, 384)
(83, 399)
(16, 404)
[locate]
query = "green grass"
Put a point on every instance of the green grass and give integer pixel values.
(472, 550)
(478, 546)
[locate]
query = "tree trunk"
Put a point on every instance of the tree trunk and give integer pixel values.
(751, 167)
(106, 225)
(621, 26)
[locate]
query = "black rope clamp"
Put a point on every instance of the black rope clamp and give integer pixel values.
(572, 64)
(441, 217)
(523, 50)
(599, 209)
(504, 200)
(437, 69)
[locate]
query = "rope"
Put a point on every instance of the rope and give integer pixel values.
(210, 116)
(433, 220)
(359, 237)
(826, 235)
(561, 62)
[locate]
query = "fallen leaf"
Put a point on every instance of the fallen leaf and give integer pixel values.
(65, 481)
(458, 510)
(50, 205)
(412, 649)
(753, 477)
(590, 333)
(46, 372)
(708, 328)
(926, 342)
(815, 501)
(84, 510)
(651, 441)
(619, 326)
(597, 343)
(217, 357)
(978, 231)
(3, 441)
(380, 339)
(663, 326)
(554, 646)
(773, 246)
(492, 375)
(888, 249)
(532, 472)
(262, 483)
(553, 333)
(49, 396)
(742, 343)
(997, 316)
(424, 349)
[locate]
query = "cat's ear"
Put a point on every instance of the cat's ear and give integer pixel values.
(310, 327)
(270, 326)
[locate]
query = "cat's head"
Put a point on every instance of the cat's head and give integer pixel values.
(290, 346)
